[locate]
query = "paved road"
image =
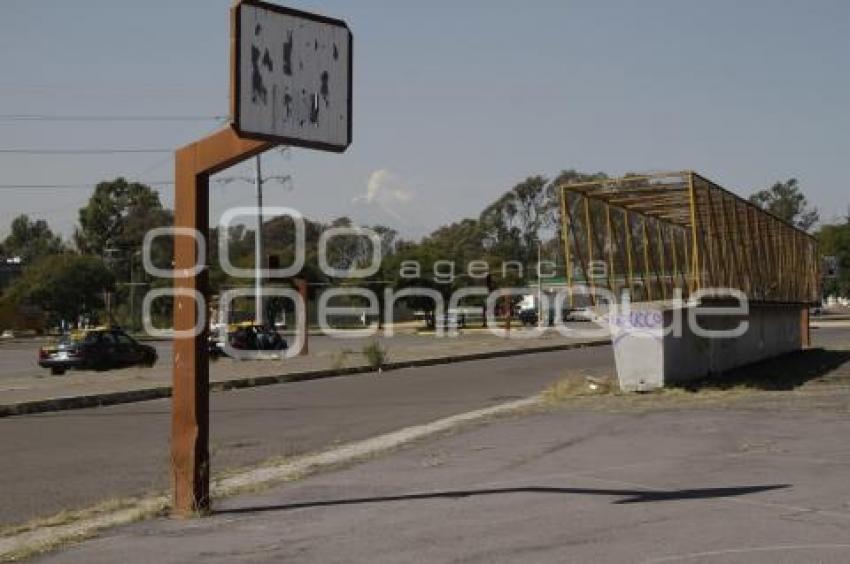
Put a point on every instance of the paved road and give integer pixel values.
(50, 462)
(20, 358)
(71, 459)
(325, 354)
(640, 485)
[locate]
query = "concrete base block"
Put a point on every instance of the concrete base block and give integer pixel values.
(650, 352)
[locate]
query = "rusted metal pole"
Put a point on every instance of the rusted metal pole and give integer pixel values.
(302, 322)
(588, 233)
(646, 276)
(609, 236)
(190, 461)
(566, 220)
(694, 265)
(190, 413)
(628, 225)
(662, 259)
(805, 332)
(508, 311)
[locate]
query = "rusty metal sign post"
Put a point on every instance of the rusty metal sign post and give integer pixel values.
(290, 84)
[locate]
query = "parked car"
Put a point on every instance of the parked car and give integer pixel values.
(247, 337)
(528, 316)
(99, 349)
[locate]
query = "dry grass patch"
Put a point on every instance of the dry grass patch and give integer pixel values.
(41, 535)
(603, 392)
(579, 385)
(67, 517)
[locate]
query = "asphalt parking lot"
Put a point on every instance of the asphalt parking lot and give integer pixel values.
(699, 482)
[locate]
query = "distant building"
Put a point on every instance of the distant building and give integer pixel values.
(10, 269)
(554, 286)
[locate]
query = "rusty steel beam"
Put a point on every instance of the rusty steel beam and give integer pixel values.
(805, 332)
(565, 235)
(727, 241)
(190, 460)
(303, 323)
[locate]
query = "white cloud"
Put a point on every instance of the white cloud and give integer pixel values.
(386, 191)
(384, 187)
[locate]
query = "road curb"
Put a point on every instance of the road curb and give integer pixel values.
(159, 392)
(828, 323)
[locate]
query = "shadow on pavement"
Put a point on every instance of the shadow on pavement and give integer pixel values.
(785, 372)
(631, 496)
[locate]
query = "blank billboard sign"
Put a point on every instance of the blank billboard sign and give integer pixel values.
(291, 76)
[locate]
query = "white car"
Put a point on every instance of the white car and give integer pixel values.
(582, 314)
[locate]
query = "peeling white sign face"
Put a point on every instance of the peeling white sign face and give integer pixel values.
(292, 77)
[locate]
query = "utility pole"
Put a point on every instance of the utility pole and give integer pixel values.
(132, 296)
(258, 246)
(109, 260)
(539, 289)
(133, 284)
(259, 249)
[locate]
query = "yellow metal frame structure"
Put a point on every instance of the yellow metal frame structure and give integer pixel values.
(659, 233)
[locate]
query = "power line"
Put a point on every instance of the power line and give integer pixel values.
(220, 180)
(80, 151)
(281, 178)
(105, 118)
(76, 186)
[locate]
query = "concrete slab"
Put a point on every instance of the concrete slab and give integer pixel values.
(658, 345)
(704, 485)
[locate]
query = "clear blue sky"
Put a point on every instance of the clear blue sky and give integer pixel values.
(454, 101)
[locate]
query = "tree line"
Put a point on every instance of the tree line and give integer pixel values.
(63, 280)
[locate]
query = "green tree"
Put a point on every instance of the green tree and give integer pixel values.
(553, 193)
(31, 240)
(456, 244)
(554, 247)
(787, 201)
(118, 215)
(834, 240)
(63, 286)
(513, 224)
